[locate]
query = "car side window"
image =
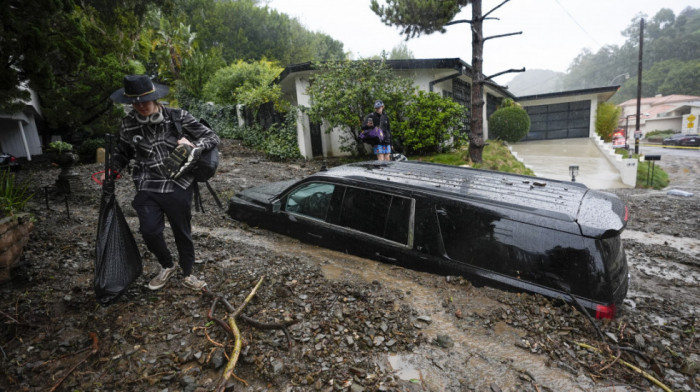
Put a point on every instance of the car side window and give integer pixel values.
(311, 200)
(377, 213)
(468, 232)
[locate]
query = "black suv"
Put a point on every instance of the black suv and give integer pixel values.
(556, 238)
(8, 161)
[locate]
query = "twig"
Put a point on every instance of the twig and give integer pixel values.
(619, 353)
(95, 348)
(636, 369)
(10, 317)
(210, 315)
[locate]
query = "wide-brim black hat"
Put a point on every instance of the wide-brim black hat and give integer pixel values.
(139, 88)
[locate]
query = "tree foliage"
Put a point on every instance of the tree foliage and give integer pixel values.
(401, 52)
(671, 50)
(509, 123)
(429, 123)
(343, 93)
(74, 54)
(606, 120)
(244, 30)
(416, 17)
(244, 83)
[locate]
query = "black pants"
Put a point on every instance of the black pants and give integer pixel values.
(152, 208)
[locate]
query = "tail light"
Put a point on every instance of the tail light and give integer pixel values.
(605, 311)
(13, 159)
(627, 214)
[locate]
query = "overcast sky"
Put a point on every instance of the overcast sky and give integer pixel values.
(553, 31)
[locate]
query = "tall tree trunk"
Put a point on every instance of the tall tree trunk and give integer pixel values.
(476, 137)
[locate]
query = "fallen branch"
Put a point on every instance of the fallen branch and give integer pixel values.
(636, 369)
(232, 328)
(95, 348)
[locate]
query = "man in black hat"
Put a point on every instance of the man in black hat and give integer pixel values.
(148, 135)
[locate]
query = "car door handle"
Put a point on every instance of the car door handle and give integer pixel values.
(385, 258)
(319, 236)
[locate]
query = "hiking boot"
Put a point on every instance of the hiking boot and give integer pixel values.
(194, 283)
(162, 278)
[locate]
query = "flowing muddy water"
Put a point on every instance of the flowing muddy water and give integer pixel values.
(489, 353)
(682, 244)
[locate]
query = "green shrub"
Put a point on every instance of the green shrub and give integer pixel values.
(606, 118)
(431, 122)
(509, 124)
(87, 150)
(59, 146)
(657, 134)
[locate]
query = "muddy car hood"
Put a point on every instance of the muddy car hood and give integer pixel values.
(264, 194)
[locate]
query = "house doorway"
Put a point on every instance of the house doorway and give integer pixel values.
(316, 142)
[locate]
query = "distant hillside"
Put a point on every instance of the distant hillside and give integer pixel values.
(537, 81)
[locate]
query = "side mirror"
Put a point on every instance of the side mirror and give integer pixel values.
(276, 206)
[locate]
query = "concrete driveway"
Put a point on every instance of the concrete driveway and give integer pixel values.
(552, 158)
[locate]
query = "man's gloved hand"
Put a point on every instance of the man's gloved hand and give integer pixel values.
(182, 157)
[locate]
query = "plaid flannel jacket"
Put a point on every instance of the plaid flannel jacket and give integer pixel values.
(150, 144)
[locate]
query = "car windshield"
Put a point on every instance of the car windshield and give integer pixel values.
(311, 200)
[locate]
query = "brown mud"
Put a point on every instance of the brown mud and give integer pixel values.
(361, 325)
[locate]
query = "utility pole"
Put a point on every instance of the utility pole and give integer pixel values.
(637, 131)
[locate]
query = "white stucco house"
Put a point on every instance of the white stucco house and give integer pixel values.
(19, 133)
(559, 115)
(450, 77)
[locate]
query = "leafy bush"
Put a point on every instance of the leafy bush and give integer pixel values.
(430, 122)
(606, 118)
(59, 146)
(244, 83)
(87, 150)
(509, 124)
(660, 134)
(281, 142)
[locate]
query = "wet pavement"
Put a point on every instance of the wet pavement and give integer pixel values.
(552, 158)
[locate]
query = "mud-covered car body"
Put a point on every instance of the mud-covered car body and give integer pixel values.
(517, 232)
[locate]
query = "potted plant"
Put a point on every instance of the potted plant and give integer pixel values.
(15, 224)
(65, 159)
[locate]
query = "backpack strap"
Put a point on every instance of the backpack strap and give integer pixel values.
(176, 115)
(198, 205)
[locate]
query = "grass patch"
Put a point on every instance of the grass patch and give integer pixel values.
(496, 156)
(645, 178)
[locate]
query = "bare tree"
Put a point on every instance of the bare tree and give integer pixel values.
(416, 17)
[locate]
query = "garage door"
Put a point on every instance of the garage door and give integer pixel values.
(559, 121)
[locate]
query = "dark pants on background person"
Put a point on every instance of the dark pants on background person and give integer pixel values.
(152, 208)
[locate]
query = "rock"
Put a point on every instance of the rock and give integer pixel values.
(277, 366)
(444, 341)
